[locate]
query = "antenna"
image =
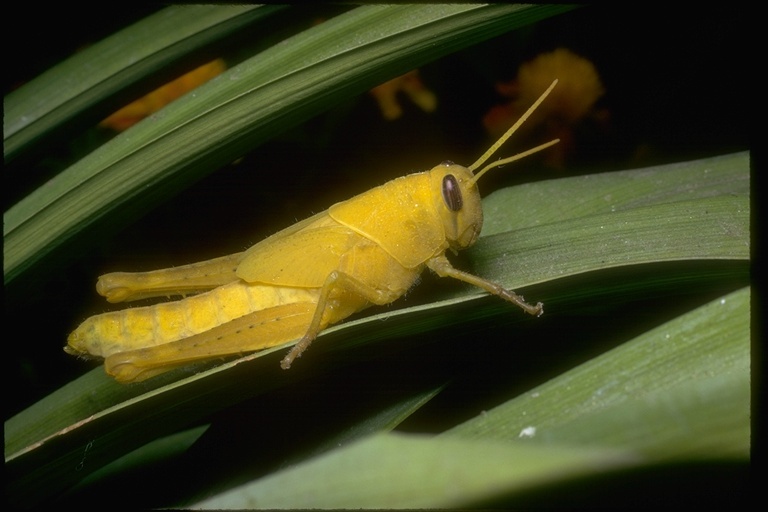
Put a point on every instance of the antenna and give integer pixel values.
(506, 136)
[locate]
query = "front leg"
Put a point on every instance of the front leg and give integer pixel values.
(442, 267)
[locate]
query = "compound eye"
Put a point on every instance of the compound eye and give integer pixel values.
(452, 193)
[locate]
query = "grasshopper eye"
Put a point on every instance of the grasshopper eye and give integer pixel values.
(452, 193)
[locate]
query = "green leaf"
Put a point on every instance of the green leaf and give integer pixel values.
(680, 391)
(602, 246)
(259, 98)
(109, 66)
(404, 471)
(709, 224)
(574, 225)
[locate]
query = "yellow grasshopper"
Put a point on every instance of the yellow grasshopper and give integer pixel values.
(367, 250)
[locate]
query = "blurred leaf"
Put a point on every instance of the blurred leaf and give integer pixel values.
(349, 428)
(99, 71)
(407, 471)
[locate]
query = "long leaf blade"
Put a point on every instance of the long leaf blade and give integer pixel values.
(250, 103)
(56, 428)
(581, 423)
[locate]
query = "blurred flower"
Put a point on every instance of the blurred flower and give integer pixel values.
(409, 83)
(573, 99)
(157, 99)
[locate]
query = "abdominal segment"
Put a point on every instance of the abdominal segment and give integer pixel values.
(254, 331)
(137, 328)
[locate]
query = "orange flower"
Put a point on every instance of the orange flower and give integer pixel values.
(157, 99)
(409, 83)
(573, 99)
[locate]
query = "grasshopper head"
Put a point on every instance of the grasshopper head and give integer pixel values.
(458, 204)
(460, 209)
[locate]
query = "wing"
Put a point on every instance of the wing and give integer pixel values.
(302, 255)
